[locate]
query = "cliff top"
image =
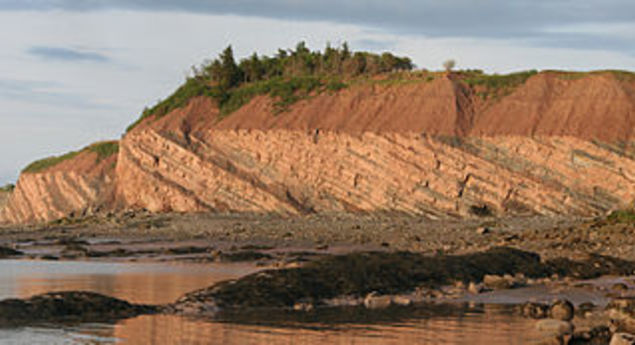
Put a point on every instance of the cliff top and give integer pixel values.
(340, 90)
(83, 160)
(593, 105)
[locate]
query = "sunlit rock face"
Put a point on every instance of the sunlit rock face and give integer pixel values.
(551, 146)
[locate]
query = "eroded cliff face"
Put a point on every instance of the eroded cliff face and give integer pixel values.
(553, 146)
(72, 186)
(4, 197)
(437, 148)
(287, 171)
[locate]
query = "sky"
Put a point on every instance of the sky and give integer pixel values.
(73, 72)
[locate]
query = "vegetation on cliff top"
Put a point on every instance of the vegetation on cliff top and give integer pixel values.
(621, 75)
(7, 188)
(294, 74)
(494, 85)
(103, 150)
(288, 76)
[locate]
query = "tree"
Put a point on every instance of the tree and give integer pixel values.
(230, 74)
(252, 68)
(449, 65)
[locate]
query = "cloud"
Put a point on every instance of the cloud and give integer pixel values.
(432, 17)
(373, 44)
(66, 54)
(46, 93)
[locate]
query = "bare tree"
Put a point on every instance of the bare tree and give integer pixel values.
(449, 65)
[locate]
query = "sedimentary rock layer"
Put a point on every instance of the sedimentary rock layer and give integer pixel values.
(552, 145)
(297, 172)
(4, 197)
(73, 186)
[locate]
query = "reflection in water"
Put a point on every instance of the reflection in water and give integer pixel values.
(162, 283)
(135, 282)
(490, 327)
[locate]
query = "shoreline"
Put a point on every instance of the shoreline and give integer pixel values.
(332, 234)
(554, 254)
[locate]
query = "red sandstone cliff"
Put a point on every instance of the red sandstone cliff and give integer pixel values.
(72, 186)
(552, 145)
(4, 197)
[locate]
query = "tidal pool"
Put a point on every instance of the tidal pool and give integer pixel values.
(156, 283)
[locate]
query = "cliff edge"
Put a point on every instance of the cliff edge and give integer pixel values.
(56, 187)
(435, 145)
(552, 145)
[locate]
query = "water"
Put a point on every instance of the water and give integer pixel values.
(162, 283)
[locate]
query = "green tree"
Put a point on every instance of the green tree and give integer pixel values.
(252, 69)
(230, 74)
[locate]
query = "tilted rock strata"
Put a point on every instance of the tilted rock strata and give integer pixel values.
(4, 198)
(552, 145)
(73, 186)
(287, 171)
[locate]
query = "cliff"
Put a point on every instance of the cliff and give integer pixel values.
(58, 186)
(4, 197)
(553, 145)
(439, 147)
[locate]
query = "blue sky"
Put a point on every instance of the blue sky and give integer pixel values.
(74, 72)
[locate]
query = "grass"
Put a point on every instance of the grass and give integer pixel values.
(288, 90)
(620, 75)
(102, 149)
(43, 164)
(495, 85)
(285, 92)
(192, 87)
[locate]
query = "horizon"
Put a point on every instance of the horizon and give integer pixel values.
(71, 77)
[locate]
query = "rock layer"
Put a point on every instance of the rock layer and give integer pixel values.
(553, 145)
(297, 172)
(70, 187)
(4, 198)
